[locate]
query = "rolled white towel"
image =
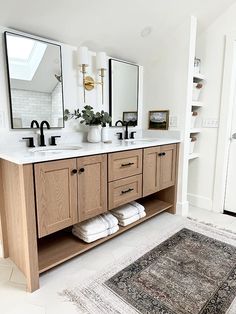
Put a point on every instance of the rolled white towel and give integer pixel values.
(113, 230)
(92, 225)
(128, 221)
(140, 207)
(110, 219)
(125, 211)
(94, 237)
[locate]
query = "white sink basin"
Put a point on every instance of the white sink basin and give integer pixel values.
(54, 149)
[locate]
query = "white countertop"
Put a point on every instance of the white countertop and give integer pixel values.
(26, 156)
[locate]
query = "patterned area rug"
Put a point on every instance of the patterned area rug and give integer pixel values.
(188, 273)
(191, 272)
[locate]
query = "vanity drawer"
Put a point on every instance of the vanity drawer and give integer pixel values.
(124, 191)
(124, 164)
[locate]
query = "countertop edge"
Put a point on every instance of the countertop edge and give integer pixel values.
(88, 149)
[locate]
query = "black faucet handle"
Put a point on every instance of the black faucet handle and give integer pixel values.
(30, 141)
(120, 135)
(132, 134)
(53, 140)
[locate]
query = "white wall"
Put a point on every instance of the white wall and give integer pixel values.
(210, 49)
(168, 85)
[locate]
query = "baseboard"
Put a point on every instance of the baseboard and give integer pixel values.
(182, 208)
(200, 201)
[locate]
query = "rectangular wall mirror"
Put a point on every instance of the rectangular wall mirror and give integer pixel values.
(35, 81)
(124, 89)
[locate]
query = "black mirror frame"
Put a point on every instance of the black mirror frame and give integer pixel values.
(9, 80)
(110, 86)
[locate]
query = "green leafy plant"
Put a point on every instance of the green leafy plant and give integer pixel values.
(89, 117)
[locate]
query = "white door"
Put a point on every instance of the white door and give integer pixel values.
(230, 193)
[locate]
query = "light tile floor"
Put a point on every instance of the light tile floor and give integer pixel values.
(14, 299)
(220, 220)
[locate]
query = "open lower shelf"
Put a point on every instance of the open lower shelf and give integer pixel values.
(62, 246)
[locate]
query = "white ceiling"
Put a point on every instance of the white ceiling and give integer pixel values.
(112, 26)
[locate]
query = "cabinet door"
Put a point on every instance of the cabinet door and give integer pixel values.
(151, 170)
(92, 186)
(168, 166)
(56, 195)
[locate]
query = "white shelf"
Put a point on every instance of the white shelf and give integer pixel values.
(193, 156)
(195, 130)
(197, 104)
(198, 76)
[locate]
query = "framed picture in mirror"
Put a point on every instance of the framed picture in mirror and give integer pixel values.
(158, 120)
(131, 117)
(35, 80)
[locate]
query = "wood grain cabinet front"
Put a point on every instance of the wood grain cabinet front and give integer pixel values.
(151, 170)
(56, 195)
(124, 191)
(92, 186)
(124, 164)
(168, 166)
(159, 168)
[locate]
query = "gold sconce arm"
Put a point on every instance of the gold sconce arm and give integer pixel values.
(89, 83)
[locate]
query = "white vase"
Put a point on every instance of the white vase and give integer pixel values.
(94, 134)
(105, 134)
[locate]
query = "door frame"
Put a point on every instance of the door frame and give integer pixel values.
(225, 122)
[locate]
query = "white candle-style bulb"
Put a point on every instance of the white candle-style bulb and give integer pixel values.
(101, 60)
(83, 56)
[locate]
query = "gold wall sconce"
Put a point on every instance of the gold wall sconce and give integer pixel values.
(101, 65)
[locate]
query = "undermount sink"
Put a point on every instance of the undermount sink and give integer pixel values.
(55, 149)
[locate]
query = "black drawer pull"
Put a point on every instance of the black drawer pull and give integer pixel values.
(74, 171)
(128, 164)
(127, 191)
(81, 170)
(161, 154)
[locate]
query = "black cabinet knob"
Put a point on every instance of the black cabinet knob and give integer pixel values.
(74, 171)
(81, 170)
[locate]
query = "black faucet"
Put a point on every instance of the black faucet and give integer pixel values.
(42, 139)
(126, 124)
(119, 121)
(34, 122)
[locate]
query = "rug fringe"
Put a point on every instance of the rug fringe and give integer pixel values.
(232, 308)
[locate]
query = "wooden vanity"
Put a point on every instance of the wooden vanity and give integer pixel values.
(40, 202)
